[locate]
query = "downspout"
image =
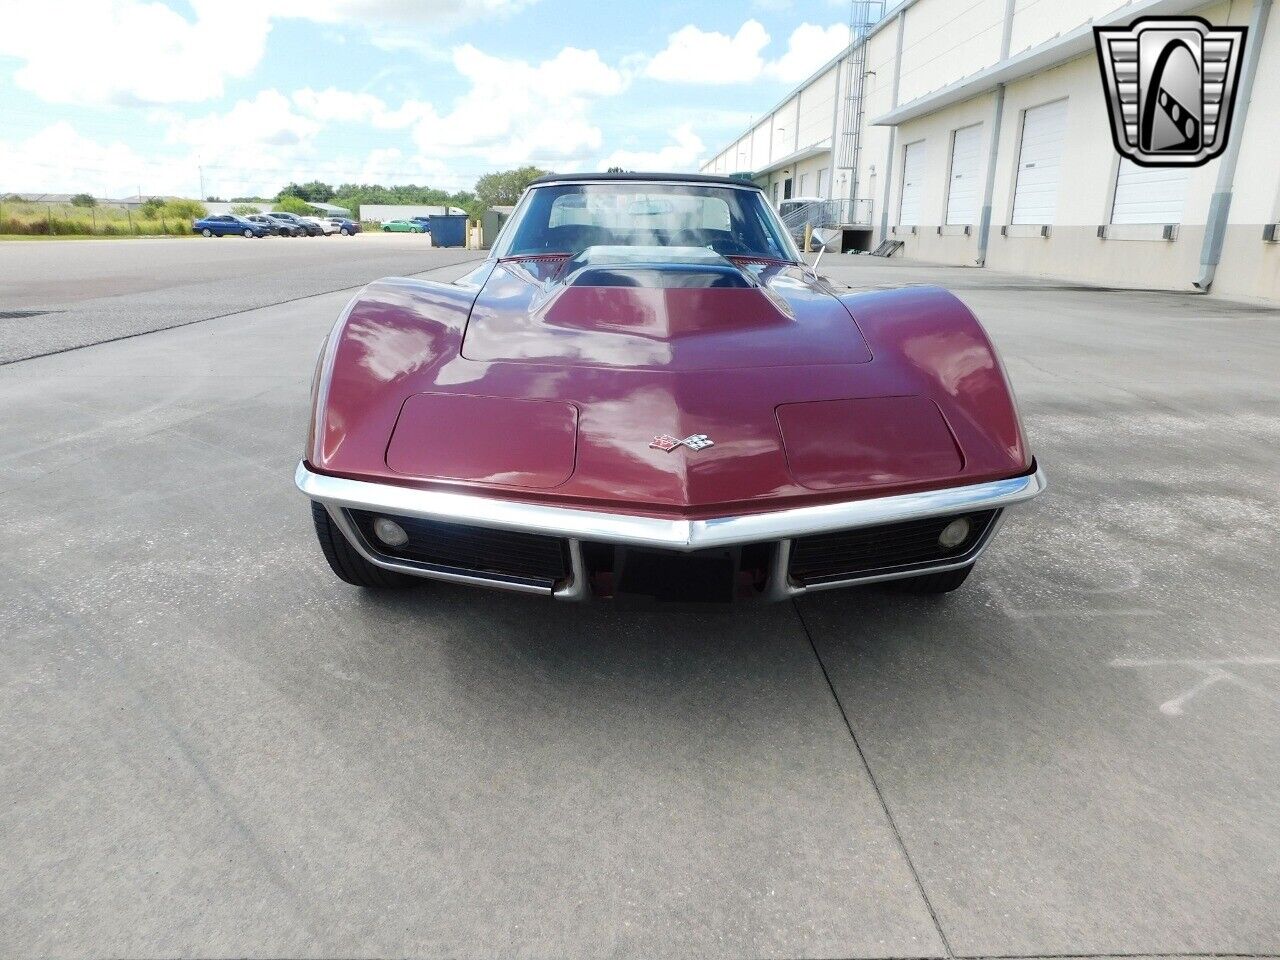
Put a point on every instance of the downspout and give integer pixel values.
(893, 132)
(835, 127)
(1215, 229)
(993, 148)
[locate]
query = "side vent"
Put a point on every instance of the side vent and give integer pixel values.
(1271, 233)
(1170, 231)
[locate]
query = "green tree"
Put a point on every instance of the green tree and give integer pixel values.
(616, 170)
(152, 206)
(183, 210)
(315, 191)
(83, 200)
(504, 188)
(245, 209)
(291, 203)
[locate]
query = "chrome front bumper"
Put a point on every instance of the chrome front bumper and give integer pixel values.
(780, 526)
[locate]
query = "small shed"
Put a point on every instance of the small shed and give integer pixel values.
(492, 223)
(330, 210)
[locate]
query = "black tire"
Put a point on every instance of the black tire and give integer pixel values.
(346, 563)
(345, 232)
(248, 234)
(206, 232)
(934, 583)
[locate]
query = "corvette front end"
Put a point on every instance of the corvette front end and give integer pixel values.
(644, 392)
(574, 554)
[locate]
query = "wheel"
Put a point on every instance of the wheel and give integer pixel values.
(386, 229)
(346, 562)
(206, 232)
(943, 582)
(249, 234)
(414, 230)
(345, 232)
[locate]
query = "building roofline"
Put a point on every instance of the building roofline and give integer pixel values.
(890, 13)
(1053, 52)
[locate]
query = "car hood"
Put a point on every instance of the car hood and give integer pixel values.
(659, 312)
(550, 379)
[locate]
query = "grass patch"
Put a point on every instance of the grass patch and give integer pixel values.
(43, 237)
(24, 220)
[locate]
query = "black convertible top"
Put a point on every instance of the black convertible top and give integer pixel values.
(661, 177)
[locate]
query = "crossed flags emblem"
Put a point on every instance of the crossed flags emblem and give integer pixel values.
(696, 441)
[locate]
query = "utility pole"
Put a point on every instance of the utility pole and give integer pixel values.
(201, 171)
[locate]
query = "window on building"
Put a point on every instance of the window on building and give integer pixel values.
(822, 183)
(804, 185)
(1149, 194)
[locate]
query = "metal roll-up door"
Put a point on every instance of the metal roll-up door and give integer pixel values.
(1149, 194)
(962, 189)
(1035, 198)
(912, 184)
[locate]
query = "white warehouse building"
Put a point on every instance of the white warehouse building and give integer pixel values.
(981, 136)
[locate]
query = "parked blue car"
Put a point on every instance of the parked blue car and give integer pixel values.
(229, 225)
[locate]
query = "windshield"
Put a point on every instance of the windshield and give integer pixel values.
(570, 217)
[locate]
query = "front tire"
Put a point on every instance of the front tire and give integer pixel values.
(934, 583)
(345, 232)
(344, 560)
(248, 234)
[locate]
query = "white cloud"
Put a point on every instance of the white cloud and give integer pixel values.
(809, 47)
(142, 51)
(679, 156)
(693, 55)
(131, 51)
(517, 112)
(344, 106)
(58, 159)
(698, 56)
(417, 12)
(268, 120)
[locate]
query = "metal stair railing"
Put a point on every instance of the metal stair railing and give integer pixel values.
(829, 214)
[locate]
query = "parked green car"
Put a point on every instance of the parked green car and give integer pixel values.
(401, 226)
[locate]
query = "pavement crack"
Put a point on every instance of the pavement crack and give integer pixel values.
(221, 316)
(875, 785)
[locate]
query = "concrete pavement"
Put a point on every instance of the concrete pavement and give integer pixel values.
(60, 295)
(210, 747)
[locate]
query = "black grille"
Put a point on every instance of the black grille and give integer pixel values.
(870, 551)
(468, 549)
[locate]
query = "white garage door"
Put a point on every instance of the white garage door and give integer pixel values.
(1149, 194)
(1035, 198)
(962, 190)
(912, 184)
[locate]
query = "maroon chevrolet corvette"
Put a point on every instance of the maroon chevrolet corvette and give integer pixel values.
(645, 392)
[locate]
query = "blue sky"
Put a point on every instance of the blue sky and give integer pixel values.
(109, 96)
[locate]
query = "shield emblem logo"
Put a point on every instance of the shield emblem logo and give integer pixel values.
(1171, 88)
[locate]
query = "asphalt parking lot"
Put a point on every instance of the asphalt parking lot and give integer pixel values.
(211, 747)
